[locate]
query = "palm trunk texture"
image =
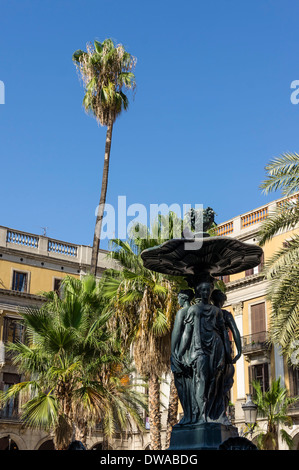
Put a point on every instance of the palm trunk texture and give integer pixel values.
(154, 412)
(172, 411)
(101, 207)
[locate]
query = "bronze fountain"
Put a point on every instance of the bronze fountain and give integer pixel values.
(201, 355)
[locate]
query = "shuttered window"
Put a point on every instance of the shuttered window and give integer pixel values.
(258, 322)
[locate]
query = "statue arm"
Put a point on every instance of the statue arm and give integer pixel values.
(236, 335)
(177, 332)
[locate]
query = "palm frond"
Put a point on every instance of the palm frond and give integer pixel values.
(106, 71)
(41, 411)
(15, 390)
(285, 217)
(283, 258)
(160, 325)
(283, 173)
(282, 269)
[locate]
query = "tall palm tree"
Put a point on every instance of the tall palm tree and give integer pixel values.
(273, 405)
(106, 70)
(282, 269)
(74, 369)
(145, 304)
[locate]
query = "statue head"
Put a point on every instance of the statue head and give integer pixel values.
(203, 285)
(218, 298)
(185, 295)
(203, 290)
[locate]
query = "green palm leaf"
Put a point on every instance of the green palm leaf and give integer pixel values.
(285, 217)
(41, 412)
(282, 269)
(106, 70)
(73, 356)
(160, 325)
(283, 173)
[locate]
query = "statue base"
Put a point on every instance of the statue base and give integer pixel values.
(203, 436)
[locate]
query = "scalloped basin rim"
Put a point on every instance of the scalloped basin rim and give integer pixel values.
(218, 256)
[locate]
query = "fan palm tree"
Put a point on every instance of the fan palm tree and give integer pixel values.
(106, 70)
(74, 368)
(282, 269)
(145, 304)
(273, 405)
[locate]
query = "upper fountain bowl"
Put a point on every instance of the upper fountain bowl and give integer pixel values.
(218, 256)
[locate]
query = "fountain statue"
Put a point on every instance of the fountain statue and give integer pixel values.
(201, 355)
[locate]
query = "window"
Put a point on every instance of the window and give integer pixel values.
(20, 281)
(248, 272)
(294, 381)
(13, 330)
(57, 283)
(256, 269)
(58, 287)
(259, 373)
(258, 322)
(10, 410)
(225, 278)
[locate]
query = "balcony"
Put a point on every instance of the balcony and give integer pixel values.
(256, 343)
(49, 250)
(22, 240)
(244, 224)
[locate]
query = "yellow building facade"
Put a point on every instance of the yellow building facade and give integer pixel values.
(31, 264)
(246, 300)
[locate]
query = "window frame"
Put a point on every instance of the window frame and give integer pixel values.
(20, 271)
(60, 290)
(265, 377)
(16, 337)
(252, 304)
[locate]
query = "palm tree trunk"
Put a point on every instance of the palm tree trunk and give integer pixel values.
(172, 411)
(101, 207)
(154, 412)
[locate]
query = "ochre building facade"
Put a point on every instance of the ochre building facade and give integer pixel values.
(30, 264)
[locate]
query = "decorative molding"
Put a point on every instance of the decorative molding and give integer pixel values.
(244, 281)
(21, 295)
(244, 292)
(238, 308)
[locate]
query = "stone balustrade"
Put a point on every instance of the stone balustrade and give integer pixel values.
(251, 220)
(47, 247)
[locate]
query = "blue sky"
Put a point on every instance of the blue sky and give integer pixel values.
(212, 107)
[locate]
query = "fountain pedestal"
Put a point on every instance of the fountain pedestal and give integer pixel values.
(203, 436)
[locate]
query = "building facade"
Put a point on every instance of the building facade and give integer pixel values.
(246, 300)
(30, 264)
